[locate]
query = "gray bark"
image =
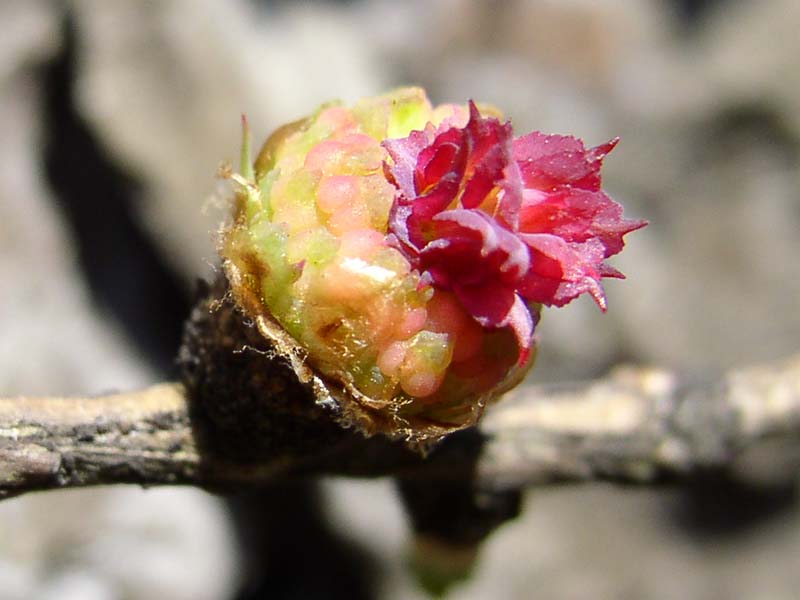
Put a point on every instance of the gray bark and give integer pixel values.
(635, 426)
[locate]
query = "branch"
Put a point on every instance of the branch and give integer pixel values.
(635, 425)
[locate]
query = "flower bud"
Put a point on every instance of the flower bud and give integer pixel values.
(402, 252)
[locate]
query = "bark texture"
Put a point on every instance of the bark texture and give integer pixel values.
(635, 425)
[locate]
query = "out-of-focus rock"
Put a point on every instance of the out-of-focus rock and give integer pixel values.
(29, 35)
(91, 544)
(164, 86)
(54, 341)
(751, 51)
(116, 543)
(720, 287)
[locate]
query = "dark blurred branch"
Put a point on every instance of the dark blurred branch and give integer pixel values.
(635, 425)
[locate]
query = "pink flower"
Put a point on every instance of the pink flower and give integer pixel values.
(503, 222)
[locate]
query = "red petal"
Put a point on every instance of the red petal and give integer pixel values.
(562, 271)
(404, 154)
(510, 200)
(501, 308)
(489, 151)
(576, 215)
(477, 246)
(442, 163)
(496, 220)
(551, 161)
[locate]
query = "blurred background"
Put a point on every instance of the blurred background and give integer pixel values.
(114, 116)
